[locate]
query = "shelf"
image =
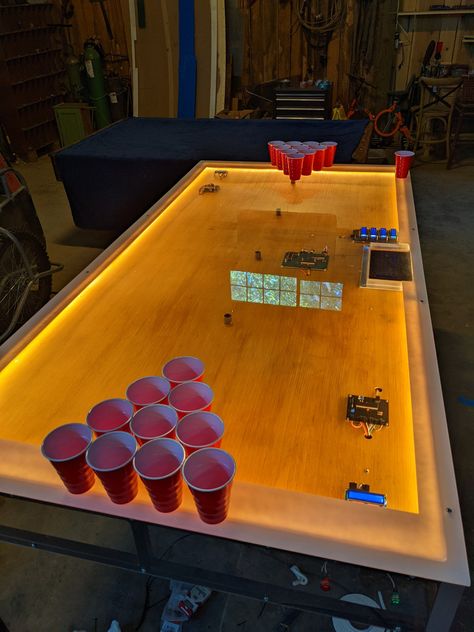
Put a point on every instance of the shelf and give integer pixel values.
(40, 124)
(34, 54)
(36, 77)
(50, 97)
(4, 7)
(34, 28)
(447, 12)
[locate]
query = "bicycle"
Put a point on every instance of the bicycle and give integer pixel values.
(389, 121)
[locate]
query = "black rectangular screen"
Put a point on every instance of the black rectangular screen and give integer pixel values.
(390, 265)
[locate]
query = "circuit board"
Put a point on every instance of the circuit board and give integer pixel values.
(369, 410)
(306, 259)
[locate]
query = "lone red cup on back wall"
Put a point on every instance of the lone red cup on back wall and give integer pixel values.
(159, 463)
(111, 458)
(403, 160)
(65, 448)
(209, 474)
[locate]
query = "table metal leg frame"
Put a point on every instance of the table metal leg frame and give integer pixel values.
(145, 562)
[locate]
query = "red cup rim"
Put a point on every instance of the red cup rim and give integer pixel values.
(404, 153)
(147, 409)
(329, 143)
(106, 437)
(200, 412)
(106, 401)
(181, 410)
(147, 377)
(200, 452)
(145, 447)
(183, 358)
(296, 156)
(69, 458)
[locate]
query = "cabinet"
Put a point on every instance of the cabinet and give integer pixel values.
(31, 76)
(301, 103)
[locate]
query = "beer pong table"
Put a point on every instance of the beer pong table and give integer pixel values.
(281, 373)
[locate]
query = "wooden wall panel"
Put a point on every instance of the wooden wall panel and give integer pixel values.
(275, 47)
(88, 21)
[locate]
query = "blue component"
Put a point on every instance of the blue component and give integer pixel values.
(393, 234)
(187, 61)
(363, 232)
(366, 497)
(383, 234)
(373, 234)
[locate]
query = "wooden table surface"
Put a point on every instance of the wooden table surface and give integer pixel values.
(281, 375)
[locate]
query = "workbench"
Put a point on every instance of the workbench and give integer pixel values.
(281, 373)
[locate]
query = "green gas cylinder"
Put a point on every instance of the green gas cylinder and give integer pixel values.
(95, 83)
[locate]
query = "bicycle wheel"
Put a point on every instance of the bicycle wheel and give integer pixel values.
(386, 123)
(14, 279)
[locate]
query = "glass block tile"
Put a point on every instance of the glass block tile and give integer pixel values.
(288, 283)
(255, 295)
(309, 300)
(272, 297)
(331, 289)
(238, 293)
(288, 299)
(330, 302)
(238, 278)
(310, 287)
(254, 279)
(271, 281)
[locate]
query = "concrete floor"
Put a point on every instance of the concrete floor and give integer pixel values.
(44, 592)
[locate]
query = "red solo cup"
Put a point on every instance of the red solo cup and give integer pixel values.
(111, 458)
(285, 154)
(65, 448)
(200, 430)
(331, 147)
(158, 463)
(153, 422)
(310, 143)
(110, 415)
(319, 156)
(295, 166)
(309, 153)
(191, 397)
(294, 143)
(183, 369)
(279, 155)
(148, 390)
(209, 474)
(403, 160)
(271, 149)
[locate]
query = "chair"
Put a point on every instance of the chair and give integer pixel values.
(437, 101)
(463, 110)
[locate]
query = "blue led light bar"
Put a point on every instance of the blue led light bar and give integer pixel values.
(362, 496)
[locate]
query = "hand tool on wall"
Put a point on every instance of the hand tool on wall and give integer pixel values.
(106, 17)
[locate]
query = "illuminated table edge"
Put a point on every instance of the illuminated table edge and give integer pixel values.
(250, 504)
(455, 564)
